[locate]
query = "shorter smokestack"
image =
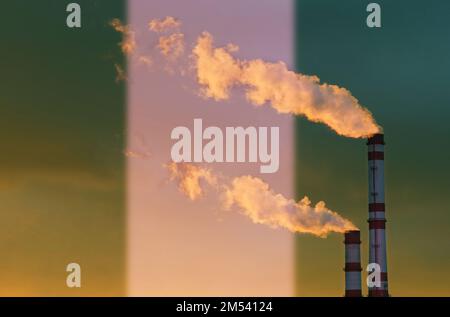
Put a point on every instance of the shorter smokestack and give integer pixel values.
(352, 264)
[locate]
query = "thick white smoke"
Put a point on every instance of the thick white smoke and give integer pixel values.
(218, 71)
(262, 205)
(255, 199)
(286, 91)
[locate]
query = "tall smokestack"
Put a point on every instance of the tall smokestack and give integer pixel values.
(377, 220)
(352, 264)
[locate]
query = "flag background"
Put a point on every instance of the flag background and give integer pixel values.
(69, 194)
(62, 132)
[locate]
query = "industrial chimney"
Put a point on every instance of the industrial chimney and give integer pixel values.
(377, 220)
(352, 264)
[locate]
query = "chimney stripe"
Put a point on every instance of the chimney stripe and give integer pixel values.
(376, 156)
(377, 207)
(353, 293)
(378, 293)
(377, 224)
(352, 267)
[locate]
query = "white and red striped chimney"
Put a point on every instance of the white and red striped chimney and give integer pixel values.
(352, 264)
(377, 220)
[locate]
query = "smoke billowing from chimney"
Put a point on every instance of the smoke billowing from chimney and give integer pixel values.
(352, 267)
(255, 199)
(262, 205)
(218, 71)
(286, 91)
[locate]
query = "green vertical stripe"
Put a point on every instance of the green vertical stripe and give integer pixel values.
(62, 134)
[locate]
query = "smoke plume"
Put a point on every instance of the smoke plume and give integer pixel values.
(218, 71)
(254, 198)
(286, 91)
(263, 206)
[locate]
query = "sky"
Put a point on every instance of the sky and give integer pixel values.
(176, 246)
(70, 193)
